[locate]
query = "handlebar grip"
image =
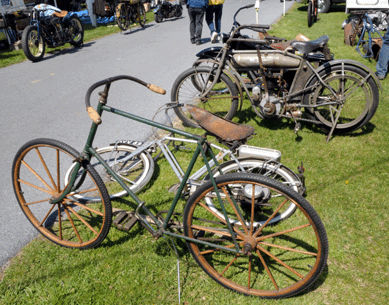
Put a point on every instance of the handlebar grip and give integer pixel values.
(156, 89)
(94, 115)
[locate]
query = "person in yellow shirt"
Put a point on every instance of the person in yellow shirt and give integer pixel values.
(213, 17)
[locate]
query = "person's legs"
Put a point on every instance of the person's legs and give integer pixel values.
(192, 24)
(199, 24)
(209, 17)
(218, 17)
(383, 59)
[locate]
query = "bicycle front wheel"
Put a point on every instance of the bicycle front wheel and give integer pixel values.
(269, 261)
(188, 88)
(37, 175)
(136, 171)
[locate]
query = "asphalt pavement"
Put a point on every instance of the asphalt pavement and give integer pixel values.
(46, 99)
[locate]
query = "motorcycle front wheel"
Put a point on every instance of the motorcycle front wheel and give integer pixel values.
(122, 17)
(356, 97)
(158, 17)
(222, 100)
(33, 44)
(76, 31)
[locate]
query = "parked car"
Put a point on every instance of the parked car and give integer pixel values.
(323, 6)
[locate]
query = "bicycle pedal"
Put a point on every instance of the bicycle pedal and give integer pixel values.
(125, 221)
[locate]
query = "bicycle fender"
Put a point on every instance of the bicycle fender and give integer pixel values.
(338, 62)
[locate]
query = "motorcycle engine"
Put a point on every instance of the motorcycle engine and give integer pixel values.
(271, 108)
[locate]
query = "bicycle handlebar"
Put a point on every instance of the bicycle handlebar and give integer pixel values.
(93, 113)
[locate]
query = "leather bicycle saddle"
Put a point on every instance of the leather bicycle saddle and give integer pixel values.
(221, 128)
(305, 47)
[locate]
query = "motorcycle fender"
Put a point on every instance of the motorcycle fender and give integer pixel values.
(350, 62)
(157, 9)
(209, 52)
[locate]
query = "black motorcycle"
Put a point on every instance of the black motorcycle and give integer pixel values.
(165, 10)
(55, 30)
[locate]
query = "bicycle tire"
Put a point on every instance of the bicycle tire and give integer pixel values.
(269, 169)
(122, 17)
(222, 100)
(141, 15)
(37, 176)
(136, 174)
(310, 14)
(275, 261)
(358, 108)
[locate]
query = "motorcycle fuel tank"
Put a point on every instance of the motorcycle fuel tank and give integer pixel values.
(269, 60)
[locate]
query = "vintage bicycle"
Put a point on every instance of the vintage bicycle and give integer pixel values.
(240, 250)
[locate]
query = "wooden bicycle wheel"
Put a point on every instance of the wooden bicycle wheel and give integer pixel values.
(38, 173)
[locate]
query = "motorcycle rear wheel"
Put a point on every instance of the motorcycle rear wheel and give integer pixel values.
(158, 17)
(76, 31)
(360, 102)
(33, 47)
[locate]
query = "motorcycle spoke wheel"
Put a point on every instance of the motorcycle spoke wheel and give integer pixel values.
(274, 261)
(189, 88)
(141, 15)
(135, 172)
(33, 46)
(122, 17)
(38, 171)
(76, 31)
(356, 96)
(310, 14)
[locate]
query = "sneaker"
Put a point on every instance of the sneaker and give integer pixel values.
(214, 37)
(198, 42)
(192, 41)
(380, 77)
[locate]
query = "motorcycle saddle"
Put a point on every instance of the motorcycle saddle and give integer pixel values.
(305, 47)
(221, 128)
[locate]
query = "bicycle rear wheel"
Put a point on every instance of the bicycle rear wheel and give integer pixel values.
(275, 261)
(265, 168)
(37, 175)
(222, 100)
(141, 15)
(135, 172)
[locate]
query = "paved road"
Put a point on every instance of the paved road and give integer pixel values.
(46, 99)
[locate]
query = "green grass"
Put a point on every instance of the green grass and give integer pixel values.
(347, 183)
(9, 57)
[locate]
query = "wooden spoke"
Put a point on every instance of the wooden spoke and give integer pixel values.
(82, 220)
(56, 187)
(47, 215)
(288, 249)
(85, 207)
(249, 276)
(229, 265)
(33, 202)
(267, 270)
(214, 250)
(58, 172)
(74, 227)
(252, 211)
(242, 221)
(35, 186)
(280, 261)
(212, 230)
(59, 221)
(270, 218)
(87, 191)
(38, 176)
(282, 232)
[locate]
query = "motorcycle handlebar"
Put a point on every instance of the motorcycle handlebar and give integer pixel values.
(107, 82)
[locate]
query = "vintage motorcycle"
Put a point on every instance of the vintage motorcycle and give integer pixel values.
(165, 10)
(49, 25)
(301, 82)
